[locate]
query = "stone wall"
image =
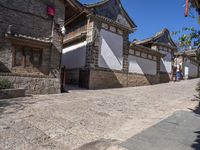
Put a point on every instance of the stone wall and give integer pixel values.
(101, 79)
(141, 80)
(11, 93)
(27, 18)
(35, 85)
(56, 49)
(164, 77)
(92, 48)
(30, 18)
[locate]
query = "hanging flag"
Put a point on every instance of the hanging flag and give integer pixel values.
(186, 8)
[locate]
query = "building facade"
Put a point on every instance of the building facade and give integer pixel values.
(30, 44)
(95, 50)
(98, 39)
(144, 65)
(188, 62)
(163, 43)
(97, 53)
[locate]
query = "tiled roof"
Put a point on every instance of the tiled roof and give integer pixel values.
(155, 52)
(94, 6)
(191, 52)
(27, 37)
(111, 21)
(44, 40)
(155, 37)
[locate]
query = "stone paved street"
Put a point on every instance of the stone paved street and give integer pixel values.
(181, 131)
(68, 121)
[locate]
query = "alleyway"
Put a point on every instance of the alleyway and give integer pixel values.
(67, 121)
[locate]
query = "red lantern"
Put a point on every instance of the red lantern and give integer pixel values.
(51, 11)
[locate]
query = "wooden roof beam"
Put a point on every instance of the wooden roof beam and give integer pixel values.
(73, 18)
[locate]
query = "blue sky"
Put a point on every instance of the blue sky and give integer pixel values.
(151, 16)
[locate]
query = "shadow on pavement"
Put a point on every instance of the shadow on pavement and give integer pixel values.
(102, 144)
(196, 145)
(197, 109)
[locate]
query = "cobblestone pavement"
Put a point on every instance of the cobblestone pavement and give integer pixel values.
(68, 121)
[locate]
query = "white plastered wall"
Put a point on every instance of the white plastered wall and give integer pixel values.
(74, 56)
(191, 70)
(142, 66)
(166, 63)
(111, 50)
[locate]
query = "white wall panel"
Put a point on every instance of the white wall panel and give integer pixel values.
(142, 66)
(166, 63)
(74, 56)
(192, 70)
(111, 50)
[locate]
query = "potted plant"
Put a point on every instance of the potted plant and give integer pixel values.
(5, 84)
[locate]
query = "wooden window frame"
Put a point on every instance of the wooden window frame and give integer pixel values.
(38, 51)
(23, 49)
(14, 57)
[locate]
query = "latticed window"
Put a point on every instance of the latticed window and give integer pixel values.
(27, 56)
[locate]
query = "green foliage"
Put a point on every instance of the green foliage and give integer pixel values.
(5, 84)
(189, 37)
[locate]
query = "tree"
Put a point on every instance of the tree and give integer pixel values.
(189, 37)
